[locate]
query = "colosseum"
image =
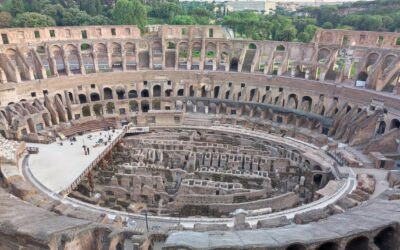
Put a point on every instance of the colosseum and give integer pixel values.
(186, 138)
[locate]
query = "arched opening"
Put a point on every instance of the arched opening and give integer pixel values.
(57, 54)
(216, 91)
(359, 243)
(203, 91)
(145, 106)
(306, 103)
(252, 95)
(108, 94)
(144, 93)
(98, 109)
(82, 98)
(361, 79)
(133, 106)
(157, 91)
(71, 96)
(395, 123)
(132, 94)
(296, 247)
(381, 128)
(387, 239)
(227, 93)
(323, 55)
(110, 108)
(130, 55)
(94, 97)
(180, 92)
(156, 104)
(328, 246)
(120, 93)
(73, 60)
(168, 92)
(317, 179)
(86, 111)
(292, 101)
(116, 56)
(191, 91)
(280, 48)
(234, 64)
(87, 58)
(102, 57)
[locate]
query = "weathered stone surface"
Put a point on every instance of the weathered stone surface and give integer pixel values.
(274, 222)
(310, 216)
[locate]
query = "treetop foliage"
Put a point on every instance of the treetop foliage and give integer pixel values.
(378, 15)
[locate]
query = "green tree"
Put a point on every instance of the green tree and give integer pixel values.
(5, 19)
(327, 25)
(130, 12)
(55, 11)
(17, 7)
(92, 7)
(183, 20)
(32, 19)
(287, 34)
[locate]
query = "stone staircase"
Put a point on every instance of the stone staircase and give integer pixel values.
(248, 60)
(197, 119)
(93, 125)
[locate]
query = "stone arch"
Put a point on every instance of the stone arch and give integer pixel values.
(82, 98)
(323, 55)
(394, 123)
(183, 50)
(252, 46)
(234, 64)
(86, 47)
(102, 56)
(180, 92)
(73, 60)
(98, 109)
(227, 93)
(204, 91)
(253, 95)
(132, 94)
(216, 92)
(371, 60)
(191, 91)
(389, 59)
(306, 103)
(168, 92)
(317, 179)
(120, 93)
(387, 239)
(130, 55)
(280, 47)
(94, 97)
(86, 111)
(328, 246)
(144, 93)
(358, 243)
(116, 55)
(108, 93)
(211, 50)
(296, 246)
(110, 108)
(133, 106)
(156, 90)
(293, 101)
(145, 106)
(362, 76)
(57, 53)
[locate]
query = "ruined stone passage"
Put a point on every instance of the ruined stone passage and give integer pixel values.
(229, 144)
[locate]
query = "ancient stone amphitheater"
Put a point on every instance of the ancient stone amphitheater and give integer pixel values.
(186, 138)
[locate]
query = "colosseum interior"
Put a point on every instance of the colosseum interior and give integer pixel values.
(186, 138)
